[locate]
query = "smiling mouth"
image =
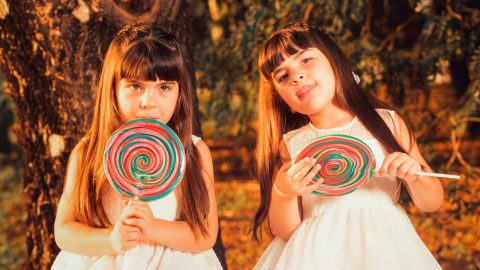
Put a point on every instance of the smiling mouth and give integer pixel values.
(305, 90)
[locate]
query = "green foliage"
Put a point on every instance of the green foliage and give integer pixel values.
(399, 43)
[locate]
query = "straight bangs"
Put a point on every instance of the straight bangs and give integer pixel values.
(149, 60)
(282, 45)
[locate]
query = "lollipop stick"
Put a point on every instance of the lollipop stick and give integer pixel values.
(441, 175)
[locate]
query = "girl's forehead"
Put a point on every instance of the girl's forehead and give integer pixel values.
(297, 54)
(141, 80)
(293, 57)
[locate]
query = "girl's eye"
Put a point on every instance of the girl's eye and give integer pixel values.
(164, 88)
(283, 77)
(135, 87)
(306, 60)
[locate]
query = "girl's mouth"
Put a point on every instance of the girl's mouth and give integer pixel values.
(305, 90)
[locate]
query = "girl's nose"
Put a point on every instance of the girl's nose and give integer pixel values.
(298, 77)
(146, 101)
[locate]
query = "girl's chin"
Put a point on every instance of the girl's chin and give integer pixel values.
(309, 110)
(312, 107)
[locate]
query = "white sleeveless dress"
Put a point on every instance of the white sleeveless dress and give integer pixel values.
(144, 256)
(364, 230)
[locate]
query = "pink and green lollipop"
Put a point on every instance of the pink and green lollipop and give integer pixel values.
(145, 159)
(347, 163)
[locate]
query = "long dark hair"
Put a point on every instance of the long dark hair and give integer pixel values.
(140, 52)
(275, 117)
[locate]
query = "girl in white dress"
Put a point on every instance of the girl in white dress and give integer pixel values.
(144, 76)
(308, 90)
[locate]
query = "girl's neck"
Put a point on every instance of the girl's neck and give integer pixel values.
(331, 118)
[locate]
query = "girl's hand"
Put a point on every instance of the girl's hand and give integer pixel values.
(296, 180)
(123, 237)
(139, 214)
(398, 164)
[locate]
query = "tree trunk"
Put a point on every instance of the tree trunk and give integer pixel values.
(52, 52)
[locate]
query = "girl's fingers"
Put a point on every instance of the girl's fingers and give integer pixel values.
(411, 172)
(296, 167)
(133, 221)
(135, 210)
(404, 168)
(134, 236)
(386, 162)
(313, 186)
(396, 164)
(129, 212)
(130, 227)
(302, 172)
(309, 177)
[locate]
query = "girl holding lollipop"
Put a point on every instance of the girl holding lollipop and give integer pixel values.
(144, 76)
(307, 90)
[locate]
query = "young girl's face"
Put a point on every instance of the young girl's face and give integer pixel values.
(306, 82)
(146, 99)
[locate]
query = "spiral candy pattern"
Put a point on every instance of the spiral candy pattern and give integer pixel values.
(347, 163)
(145, 159)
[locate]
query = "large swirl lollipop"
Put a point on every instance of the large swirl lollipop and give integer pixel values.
(347, 163)
(145, 159)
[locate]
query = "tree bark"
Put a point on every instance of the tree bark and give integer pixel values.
(51, 53)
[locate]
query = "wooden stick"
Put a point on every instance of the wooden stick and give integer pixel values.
(441, 175)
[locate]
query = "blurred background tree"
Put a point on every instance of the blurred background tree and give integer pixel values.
(423, 57)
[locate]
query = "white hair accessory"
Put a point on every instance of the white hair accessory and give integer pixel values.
(356, 77)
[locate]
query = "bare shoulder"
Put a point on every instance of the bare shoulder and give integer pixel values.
(73, 165)
(402, 133)
(204, 151)
(79, 147)
(76, 153)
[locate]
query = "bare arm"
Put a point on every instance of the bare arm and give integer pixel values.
(76, 237)
(177, 234)
(284, 211)
(426, 192)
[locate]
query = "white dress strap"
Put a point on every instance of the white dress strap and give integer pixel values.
(388, 117)
(195, 139)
